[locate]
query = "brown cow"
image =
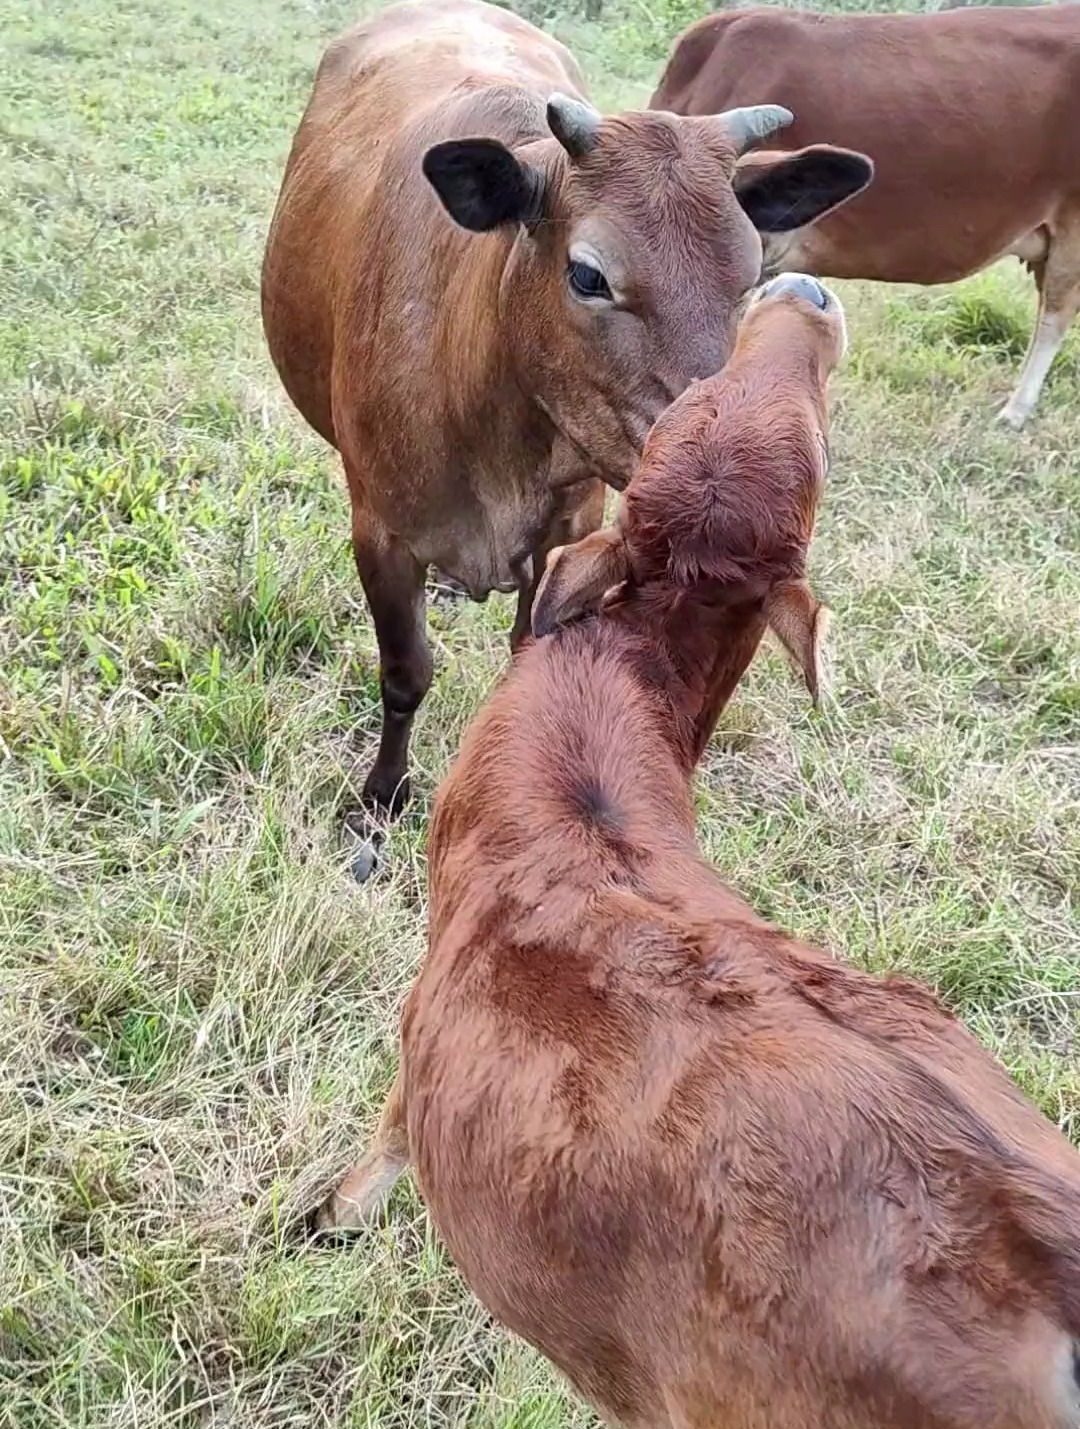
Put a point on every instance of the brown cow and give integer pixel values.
(483, 326)
(717, 1177)
(972, 118)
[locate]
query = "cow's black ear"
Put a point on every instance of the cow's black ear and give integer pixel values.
(482, 184)
(779, 192)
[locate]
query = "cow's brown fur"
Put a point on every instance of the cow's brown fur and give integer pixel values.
(971, 117)
(475, 402)
(717, 1177)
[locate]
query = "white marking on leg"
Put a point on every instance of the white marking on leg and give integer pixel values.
(370, 1181)
(1045, 345)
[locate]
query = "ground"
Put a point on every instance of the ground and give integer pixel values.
(199, 1004)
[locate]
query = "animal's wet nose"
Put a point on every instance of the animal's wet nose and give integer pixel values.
(800, 285)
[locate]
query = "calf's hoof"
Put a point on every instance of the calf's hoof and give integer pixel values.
(359, 1196)
(335, 1215)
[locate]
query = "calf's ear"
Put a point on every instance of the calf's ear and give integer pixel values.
(779, 192)
(481, 184)
(799, 623)
(577, 578)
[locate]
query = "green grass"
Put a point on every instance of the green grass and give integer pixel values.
(198, 1004)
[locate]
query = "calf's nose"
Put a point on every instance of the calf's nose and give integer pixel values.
(799, 285)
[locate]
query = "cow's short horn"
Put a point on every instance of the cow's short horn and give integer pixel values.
(574, 123)
(753, 123)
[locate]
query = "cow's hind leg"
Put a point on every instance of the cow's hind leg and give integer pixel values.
(393, 582)
(581, 516)
(371, 1180)
(1058, 281)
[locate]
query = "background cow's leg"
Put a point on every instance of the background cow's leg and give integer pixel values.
(373, 1177)
(393, 582)
(583, 514)
(1058, 281)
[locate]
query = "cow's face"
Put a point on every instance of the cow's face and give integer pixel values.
(633, 256)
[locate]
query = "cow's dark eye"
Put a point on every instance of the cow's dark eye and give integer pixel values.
(588, 282)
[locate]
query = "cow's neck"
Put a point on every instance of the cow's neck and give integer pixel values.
(497, 421)
(472, 335)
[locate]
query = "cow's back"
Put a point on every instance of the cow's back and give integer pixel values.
(970, 117)
(381, 73)
(676, 1172)
(354, 201)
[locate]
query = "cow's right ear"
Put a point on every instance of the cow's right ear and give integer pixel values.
(577, 579)
(780, 191)
(482, 184)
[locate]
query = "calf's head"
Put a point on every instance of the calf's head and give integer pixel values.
(631, 253)
(723, 504)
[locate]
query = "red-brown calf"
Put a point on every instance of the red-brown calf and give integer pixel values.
(721, 1180)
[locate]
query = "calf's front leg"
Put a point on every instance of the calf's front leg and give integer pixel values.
(370, 1181)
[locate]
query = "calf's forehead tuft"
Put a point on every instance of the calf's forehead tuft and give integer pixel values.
(731, 500)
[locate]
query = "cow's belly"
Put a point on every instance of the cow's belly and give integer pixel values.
(832, 251)
(1032, 247)
(474, 498)
(484, 555)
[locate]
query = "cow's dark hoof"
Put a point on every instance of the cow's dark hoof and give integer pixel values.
(361, 838)
(384, 799)
(364, 861)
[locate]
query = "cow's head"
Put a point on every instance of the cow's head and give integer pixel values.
(632, 253)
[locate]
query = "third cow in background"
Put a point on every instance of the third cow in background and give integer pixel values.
(971, 118)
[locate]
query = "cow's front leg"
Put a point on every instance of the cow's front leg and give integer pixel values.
(393, 582)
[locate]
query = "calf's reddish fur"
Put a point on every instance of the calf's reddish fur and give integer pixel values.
(718, 1178)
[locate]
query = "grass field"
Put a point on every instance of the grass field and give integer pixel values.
(198, 1004)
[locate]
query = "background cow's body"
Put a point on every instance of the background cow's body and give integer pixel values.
(971, 118)
(476, 396)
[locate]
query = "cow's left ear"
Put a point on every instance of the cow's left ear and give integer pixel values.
(779, 192)
(482, 184)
